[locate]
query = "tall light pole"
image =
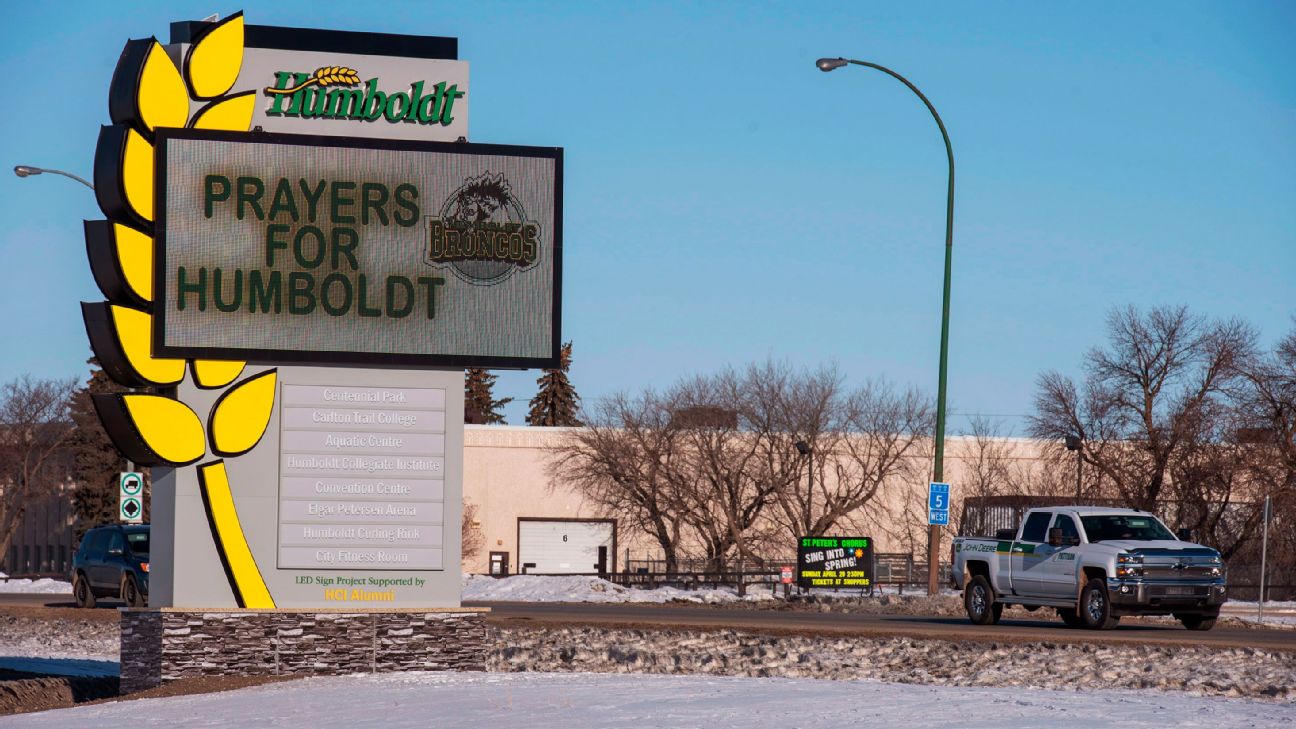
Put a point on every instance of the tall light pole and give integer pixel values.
(30, 171)
(1076, 443)
(804, 449)
(938, 469)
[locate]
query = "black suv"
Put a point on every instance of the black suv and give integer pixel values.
(112, 561)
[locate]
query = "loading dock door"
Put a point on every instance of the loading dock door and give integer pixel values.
(558, 546)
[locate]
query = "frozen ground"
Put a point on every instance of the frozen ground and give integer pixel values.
(26, 638)
(546, 588)
(581, 701)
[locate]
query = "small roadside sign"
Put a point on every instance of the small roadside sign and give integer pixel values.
(938, 504)
(786, 575)
(131, 497)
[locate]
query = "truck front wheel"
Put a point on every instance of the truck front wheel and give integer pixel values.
(1070, 617)
(978, 600)
(1095, 606)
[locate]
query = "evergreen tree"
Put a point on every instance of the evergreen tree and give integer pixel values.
(555, 403)
(480, 405)
(95, 460)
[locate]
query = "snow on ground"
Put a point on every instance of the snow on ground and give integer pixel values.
(43, 585)
(614, 701)
(555, 588)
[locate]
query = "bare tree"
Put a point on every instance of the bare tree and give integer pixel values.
(735, 473)
(34, 427)
(1266, 407)
(883, 446)
(470, 531)
(627, 464)
(987, 472)
(804, 421)
(1144, 395)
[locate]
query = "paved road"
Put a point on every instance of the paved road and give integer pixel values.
(857, 624)
(1044, 629)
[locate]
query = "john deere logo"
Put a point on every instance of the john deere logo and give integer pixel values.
(330, 93)
(483, 234)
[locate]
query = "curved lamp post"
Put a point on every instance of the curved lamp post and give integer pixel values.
(938, 471)
(29, 171)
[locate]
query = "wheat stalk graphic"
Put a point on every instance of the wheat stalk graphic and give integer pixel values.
(323, 76)
(149, 92)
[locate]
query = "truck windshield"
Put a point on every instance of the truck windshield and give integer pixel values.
(1123, 526)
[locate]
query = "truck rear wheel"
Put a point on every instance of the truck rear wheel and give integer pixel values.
(1095, 606)
(979, 601)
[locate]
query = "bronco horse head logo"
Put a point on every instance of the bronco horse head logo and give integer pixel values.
(482, 233)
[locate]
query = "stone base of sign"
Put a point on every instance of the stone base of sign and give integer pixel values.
(165, 644)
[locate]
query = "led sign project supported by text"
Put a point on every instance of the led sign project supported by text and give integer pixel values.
(315, 249)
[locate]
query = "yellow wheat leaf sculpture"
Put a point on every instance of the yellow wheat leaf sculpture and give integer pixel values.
(239, 418)
(233, 113)
(162, 98)
(149, 93)
(135, 260)
(214, 60)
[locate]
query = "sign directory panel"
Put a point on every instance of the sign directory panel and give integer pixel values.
(294, 249)
(834, 562)
(362, 477)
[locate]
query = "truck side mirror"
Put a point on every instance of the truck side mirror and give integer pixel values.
(1055, 537)
(1184, 535)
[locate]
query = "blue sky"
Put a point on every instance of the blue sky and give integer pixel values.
(725, 201)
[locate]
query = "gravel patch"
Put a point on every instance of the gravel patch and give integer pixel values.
(1064, 666)
(30, 637)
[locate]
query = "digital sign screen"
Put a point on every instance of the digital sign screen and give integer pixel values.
(834, 562)
(305, 249)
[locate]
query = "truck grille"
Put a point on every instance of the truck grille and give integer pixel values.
(1178, 590)
(1170, 572)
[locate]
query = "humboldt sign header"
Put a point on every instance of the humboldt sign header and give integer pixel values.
(335, 84)
(307, 96)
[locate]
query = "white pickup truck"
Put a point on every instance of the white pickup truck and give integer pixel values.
(1092, 565)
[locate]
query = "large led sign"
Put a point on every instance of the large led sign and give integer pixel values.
(306, 249)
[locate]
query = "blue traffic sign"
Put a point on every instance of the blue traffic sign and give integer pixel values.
(938, 497)
(938, 504)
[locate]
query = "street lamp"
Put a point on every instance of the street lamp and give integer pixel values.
(938, 470)
(29, 171)
(804, 449)
(1074, 443)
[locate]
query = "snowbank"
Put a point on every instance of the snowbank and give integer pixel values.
(583, 701)
(555, 588)
(44, 585)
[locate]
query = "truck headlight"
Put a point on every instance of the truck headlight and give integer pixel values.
(1129, 565)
